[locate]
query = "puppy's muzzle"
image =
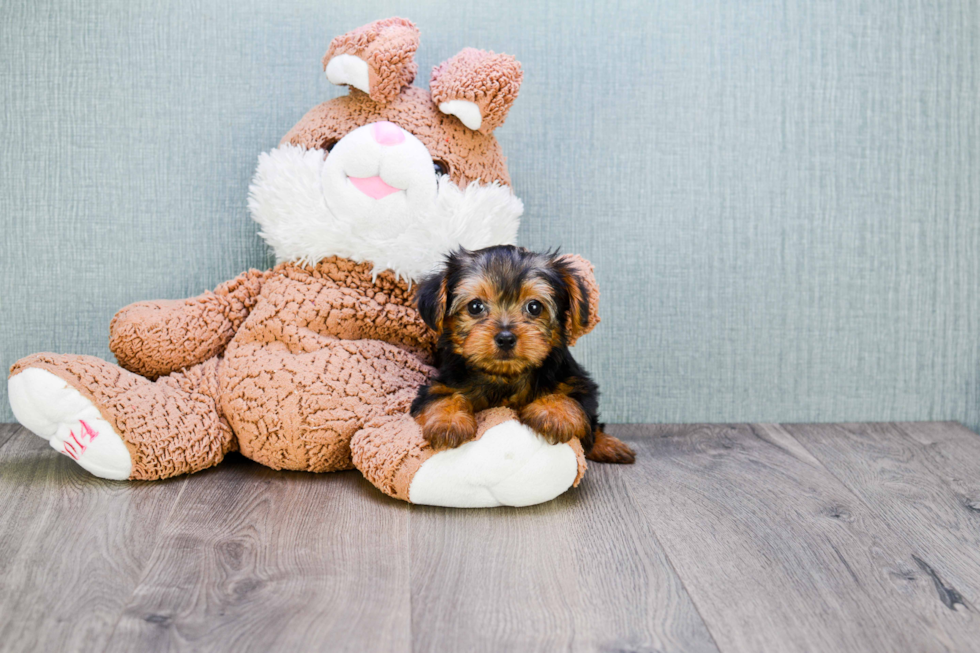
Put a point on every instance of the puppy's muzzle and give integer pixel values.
(505, 340)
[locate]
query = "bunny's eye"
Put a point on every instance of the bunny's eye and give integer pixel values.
(440, 167)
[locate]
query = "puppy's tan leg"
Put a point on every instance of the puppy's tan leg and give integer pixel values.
(448, 422)
(608, 449)
(556, 417)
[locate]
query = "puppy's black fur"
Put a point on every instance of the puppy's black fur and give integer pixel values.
(503, 315)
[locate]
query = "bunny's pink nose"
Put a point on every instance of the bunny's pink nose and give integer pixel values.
(388, 133)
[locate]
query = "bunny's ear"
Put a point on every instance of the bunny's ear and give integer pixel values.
(377, 58)
(478, 87)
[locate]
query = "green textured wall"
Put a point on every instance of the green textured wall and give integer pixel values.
(782, 200)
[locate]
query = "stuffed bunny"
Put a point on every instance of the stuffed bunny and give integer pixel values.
(313, 365)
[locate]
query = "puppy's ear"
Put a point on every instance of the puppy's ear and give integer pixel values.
(431, 300)
(583, 295)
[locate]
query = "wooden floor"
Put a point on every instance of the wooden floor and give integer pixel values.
(859, 537)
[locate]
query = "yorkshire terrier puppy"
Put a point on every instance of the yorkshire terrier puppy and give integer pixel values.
(502, 315)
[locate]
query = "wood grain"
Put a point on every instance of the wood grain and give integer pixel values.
(583, 572)
(72, 547)
(255, 559)
(7, 431)
(776, 553)
(720, 538)
(924, 479)
(951, 452)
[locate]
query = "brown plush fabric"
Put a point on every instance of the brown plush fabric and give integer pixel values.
(388, 47)
(489, 80)
(324, 351)
(156, 338)
(171, 426)
(468, 155)
(580, 457)
(391, 449)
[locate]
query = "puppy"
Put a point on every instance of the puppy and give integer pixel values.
(501, 315)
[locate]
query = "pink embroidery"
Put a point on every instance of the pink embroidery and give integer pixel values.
(81, 441)
(88, 431)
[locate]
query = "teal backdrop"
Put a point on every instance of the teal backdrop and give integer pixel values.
(782, 199)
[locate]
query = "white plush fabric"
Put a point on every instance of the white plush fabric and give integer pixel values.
(70, 423)
(348, 69)
(509, 466)
(308, 208)
(467, 112)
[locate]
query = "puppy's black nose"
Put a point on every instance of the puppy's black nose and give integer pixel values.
(505, 340)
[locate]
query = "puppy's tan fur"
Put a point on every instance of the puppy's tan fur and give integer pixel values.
(503, 315)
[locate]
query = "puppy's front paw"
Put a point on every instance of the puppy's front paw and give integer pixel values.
(556, 417)
(447, 423)
(450, 434)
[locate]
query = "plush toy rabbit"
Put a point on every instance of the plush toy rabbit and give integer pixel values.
(313, 365)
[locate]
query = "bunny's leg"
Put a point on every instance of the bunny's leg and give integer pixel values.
(507, 464)
(119, 425)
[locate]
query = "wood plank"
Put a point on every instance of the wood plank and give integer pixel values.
(7, 431)
(583, 572)
(767, 542)
(951, 451)
(776, 553)
(256, 559)
(72, 547)
(924, 479)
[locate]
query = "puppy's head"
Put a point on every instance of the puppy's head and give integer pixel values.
(504, 308)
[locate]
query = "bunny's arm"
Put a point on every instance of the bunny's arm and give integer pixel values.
(156, 338)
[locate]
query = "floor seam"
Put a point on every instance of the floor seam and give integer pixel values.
(898, 534)
(16, 429)
(850, 490)
(628, 486)
(149, 559)
(408, 566)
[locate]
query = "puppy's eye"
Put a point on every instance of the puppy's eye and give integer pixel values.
(440, 167)
(534, 308)
(475, 307)
(328, 145)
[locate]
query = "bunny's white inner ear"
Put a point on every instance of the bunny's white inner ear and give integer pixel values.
(467, 112)
(348, 69)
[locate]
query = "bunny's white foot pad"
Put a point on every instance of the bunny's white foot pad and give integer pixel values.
(509, 466)
(72, 425)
